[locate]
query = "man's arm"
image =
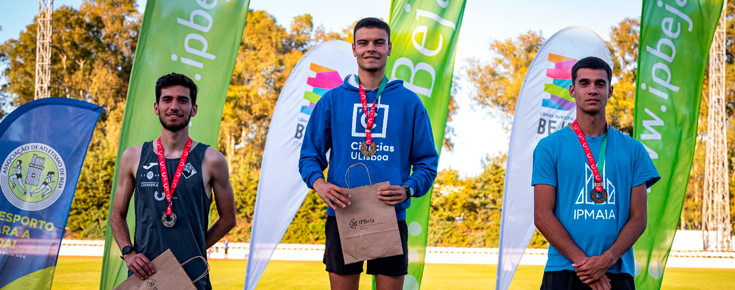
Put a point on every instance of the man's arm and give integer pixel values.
(223, 197)
(423, 156)
(136, 262)
(595, 267)
(313, 156)
(544, 197)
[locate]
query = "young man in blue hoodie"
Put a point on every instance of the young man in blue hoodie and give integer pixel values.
(399, 137)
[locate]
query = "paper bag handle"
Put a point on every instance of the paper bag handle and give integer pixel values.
(347, 174)
(205, 263)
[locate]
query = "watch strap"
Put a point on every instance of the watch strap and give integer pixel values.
(126, 250)
(409, 190)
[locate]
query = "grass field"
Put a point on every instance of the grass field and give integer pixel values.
(84, 273)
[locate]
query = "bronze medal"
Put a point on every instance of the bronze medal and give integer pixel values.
(368, 152)
(168, 220)
(598, 197)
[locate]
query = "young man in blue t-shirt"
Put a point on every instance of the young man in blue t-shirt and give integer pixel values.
(399, 139)
(590, 189)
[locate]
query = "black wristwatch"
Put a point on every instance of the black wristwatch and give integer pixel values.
(126, 250)
(409, 191)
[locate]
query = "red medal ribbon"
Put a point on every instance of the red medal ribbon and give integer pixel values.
(588, 154)
(164, 173)
(370, 116)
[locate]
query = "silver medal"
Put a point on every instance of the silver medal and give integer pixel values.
(168, 221)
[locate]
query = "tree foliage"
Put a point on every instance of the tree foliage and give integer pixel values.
(92, 52)
(465, 211)
(498, 83)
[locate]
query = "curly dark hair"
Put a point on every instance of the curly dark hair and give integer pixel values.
(175, 79)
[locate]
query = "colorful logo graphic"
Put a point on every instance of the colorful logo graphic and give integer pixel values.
(561, 75)
(325, 80)
(33, 176)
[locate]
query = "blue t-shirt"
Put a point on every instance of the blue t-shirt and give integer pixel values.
(560, 161)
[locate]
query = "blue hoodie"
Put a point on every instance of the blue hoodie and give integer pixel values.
(402, 133)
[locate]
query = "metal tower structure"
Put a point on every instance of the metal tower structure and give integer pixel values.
(716, 229)
(43, 48)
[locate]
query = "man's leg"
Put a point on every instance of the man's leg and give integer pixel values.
(341, 275)
(383, 282)
(347, 282)
(390, 271)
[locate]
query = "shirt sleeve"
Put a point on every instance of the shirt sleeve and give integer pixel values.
(317, 141)
(423, 157)
(544, 164)
(643, 169)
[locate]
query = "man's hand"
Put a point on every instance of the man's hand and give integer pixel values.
(331, 194)
(140, 265)
(392, 194)
(593, 268)
(601, 284)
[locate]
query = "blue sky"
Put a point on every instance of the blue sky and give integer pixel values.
(478, 134)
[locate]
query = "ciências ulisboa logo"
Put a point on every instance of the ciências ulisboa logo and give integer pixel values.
(558, 89)
(33, 176)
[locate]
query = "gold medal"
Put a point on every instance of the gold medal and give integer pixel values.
(168, 221)
(368, 152)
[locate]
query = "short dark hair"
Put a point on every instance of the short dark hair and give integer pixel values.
(371, 22)
(591, 62)
(174, 79)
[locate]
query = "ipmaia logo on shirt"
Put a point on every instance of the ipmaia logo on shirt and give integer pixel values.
(586, 207)
(584, 194)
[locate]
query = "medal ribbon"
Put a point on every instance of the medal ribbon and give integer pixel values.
(371, 115)
(164, 173)
(588, 154)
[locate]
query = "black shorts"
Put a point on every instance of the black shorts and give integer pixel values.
(569, 280)
(389, 266)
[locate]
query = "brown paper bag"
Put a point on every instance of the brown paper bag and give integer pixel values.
(368, 228)
(169, 275)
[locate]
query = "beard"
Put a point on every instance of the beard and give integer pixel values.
(175, 127)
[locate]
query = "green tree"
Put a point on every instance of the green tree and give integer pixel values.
(466, 211)
(267, 54)
(92, 52)
(498, 83)
(624, 49)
